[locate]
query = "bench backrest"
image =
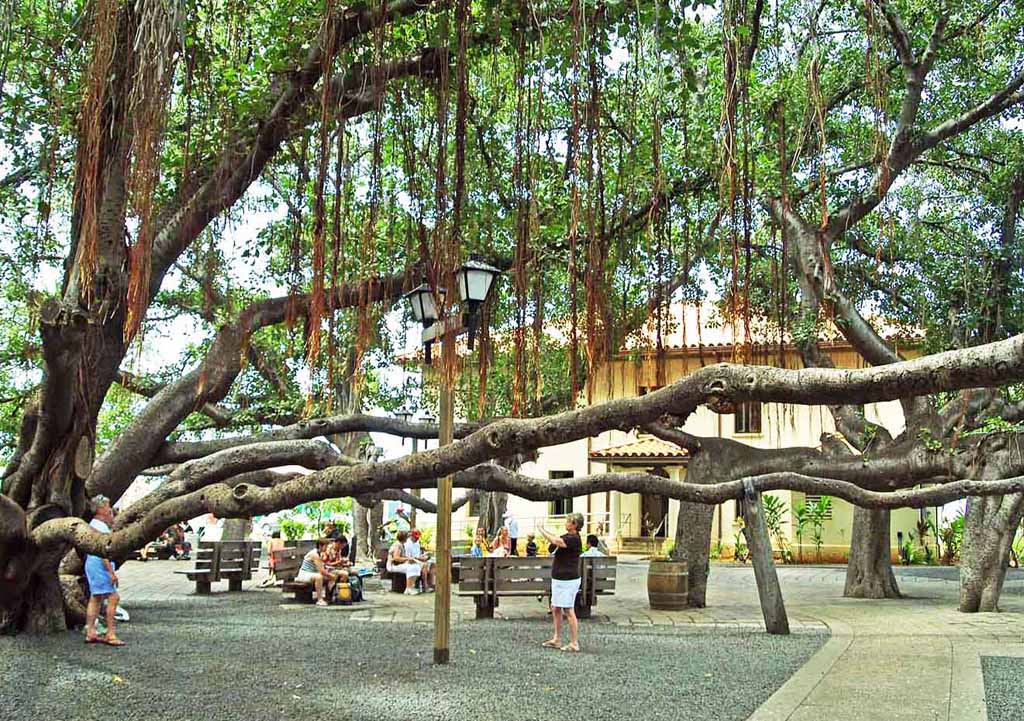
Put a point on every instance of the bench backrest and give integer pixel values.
(234, 558)
(240, 558)
(528, 575)
(208, 559)
(598, 577)
(286, 562)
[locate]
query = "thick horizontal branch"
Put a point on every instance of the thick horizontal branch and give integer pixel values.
(188, 450)
(197, 474)
(417, 502)
(245, 500)
(135, 384)
(721, 386)
(496, 478)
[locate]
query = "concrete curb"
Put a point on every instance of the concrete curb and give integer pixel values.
(782, 704)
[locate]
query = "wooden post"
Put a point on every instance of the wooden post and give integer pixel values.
(415, 491)
(443, 591)
(756, 531)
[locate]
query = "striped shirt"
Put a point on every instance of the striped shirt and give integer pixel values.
(308, 564)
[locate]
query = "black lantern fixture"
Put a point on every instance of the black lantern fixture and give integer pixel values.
(429, 419)
(474, 280)
(404, 415)
(424, 305)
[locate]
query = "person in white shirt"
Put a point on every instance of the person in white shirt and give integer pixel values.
(592, 546)
(414, 550)
(513, 533)
(102, 577)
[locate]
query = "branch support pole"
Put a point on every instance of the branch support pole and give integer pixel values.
(768, 590)
(443, 590)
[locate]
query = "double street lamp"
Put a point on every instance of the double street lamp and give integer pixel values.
(474, 280)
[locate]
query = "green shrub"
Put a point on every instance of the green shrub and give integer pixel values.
(292, 529)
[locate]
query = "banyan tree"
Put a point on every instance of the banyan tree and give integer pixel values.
(210, 207)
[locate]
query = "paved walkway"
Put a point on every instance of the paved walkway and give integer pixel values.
(915, 658)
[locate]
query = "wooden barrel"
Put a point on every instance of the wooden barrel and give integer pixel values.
(667, 585)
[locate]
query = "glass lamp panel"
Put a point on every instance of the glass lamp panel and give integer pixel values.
(479, 282)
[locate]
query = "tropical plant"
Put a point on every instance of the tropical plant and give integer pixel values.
(819, 512)
(717, 551)
(1017, 550)
(909, 553)
(740, 552)
(774, 512)
(256, 110)
(667, 547)
(951, 535)
(802, 515)
(925, 527)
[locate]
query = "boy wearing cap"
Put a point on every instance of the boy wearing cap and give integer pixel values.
(413, 550)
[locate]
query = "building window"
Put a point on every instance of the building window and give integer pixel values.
(562, 506)
(748, 418)
(813, 501)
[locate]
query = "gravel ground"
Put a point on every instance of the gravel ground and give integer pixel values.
(1002, 687)
(245, 657)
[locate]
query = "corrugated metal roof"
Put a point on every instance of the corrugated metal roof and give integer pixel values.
(644, 449)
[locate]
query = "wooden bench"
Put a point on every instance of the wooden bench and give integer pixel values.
(397, 579)
(286, 566)
(235, 561)
(488, 579)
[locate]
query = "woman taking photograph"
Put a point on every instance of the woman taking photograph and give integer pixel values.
(565, 580)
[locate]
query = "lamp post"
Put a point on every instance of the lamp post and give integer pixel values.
(474, 280)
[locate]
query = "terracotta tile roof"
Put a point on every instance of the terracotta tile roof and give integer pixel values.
(645, 449)
(692, 326)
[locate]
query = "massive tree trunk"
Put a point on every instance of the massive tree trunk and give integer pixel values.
(82, 344)
(492, 512)
(869, 572)
(375, 518)
(236, 529)
(989, 528)
(361, 529)
(693, 545)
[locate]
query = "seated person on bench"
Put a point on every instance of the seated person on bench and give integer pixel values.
(314, 571)
(593, 547)
(335, 556)
(401, 564)
(413, 550)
